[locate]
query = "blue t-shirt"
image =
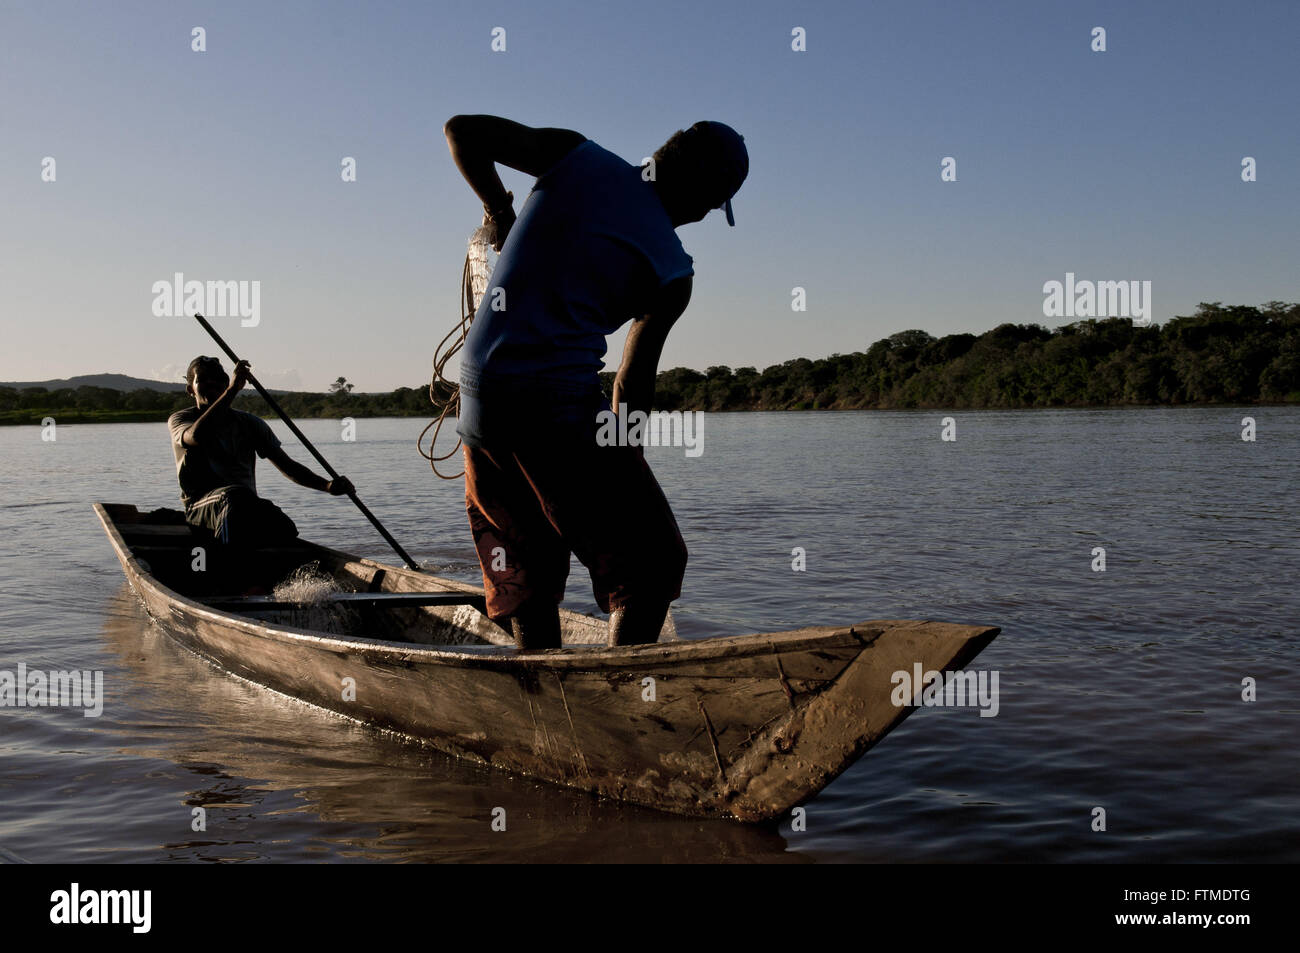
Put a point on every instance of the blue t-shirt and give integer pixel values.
(590, 247)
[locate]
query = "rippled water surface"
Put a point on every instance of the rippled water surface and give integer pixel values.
(1120, 689)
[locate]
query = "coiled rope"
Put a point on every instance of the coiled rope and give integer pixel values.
(444, 393)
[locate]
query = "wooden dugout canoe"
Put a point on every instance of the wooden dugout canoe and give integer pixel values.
(741, 726)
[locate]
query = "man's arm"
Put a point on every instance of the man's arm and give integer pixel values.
(194, 435)
(634, 384)
(477, 143)
(299, 474)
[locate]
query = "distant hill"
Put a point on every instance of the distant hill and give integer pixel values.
(111, 381)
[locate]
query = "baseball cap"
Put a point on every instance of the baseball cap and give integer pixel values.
(733, 159)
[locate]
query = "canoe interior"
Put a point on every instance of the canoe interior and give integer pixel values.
(293, 584)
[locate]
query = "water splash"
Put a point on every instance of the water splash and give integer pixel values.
(310, 588)
(308, 584)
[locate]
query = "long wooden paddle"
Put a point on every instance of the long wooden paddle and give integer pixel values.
(410, 563)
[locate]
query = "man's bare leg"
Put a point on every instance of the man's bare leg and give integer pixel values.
(638, 623)
(536, 625)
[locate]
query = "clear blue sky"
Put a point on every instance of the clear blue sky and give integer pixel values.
(225, 165)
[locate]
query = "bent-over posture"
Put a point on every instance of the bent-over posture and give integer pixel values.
(593, 247)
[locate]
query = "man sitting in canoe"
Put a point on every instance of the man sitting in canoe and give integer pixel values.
(214, 445)
(593, 247)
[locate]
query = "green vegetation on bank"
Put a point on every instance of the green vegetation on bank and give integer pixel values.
(102, 405)
(1233, 354)
(1218, 355)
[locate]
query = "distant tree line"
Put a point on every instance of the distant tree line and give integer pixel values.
(1218, 355)
(1234, 354)
(102, 404)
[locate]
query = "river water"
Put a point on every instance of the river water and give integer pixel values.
(1119, 689)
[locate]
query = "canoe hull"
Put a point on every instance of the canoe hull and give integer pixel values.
(744, 727)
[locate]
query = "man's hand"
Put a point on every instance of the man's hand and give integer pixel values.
(500, 223)
(239, 377)
(340, 487)
(217, 408)
(477, 143)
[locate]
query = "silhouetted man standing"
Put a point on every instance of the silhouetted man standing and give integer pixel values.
(593, 247)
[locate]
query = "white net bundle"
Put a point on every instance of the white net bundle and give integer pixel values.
(480, 260)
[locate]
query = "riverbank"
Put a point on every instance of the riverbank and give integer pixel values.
(1222, 355)
(73, 416)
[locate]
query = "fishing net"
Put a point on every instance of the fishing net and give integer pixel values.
(480, 260)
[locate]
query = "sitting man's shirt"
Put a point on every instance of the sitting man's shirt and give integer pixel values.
(590, 247)
(226, 458)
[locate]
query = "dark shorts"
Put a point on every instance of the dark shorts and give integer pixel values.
(529, 508)
(237, 516)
